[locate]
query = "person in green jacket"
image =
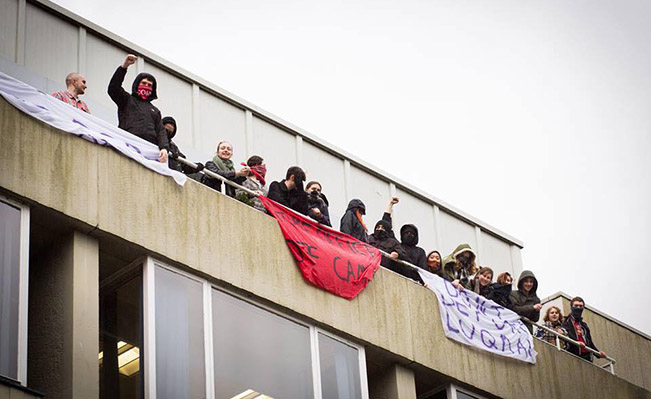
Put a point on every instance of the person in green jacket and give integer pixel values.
(524, 301)
(460, 265)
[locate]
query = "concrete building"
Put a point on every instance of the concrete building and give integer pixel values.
(116, 282)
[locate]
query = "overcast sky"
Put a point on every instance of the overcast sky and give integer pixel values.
(533, 116)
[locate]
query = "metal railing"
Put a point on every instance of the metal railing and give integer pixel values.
(610, 365)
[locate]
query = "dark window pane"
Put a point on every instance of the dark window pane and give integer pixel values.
(9, 288)
(339, 369)
(463, 395)
(258, 350)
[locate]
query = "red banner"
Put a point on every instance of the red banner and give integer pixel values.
(328, 259)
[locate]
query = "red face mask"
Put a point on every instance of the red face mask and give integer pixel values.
(144, 91)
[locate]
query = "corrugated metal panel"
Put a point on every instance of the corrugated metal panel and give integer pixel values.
(8, 22)
(329, 171)
(51, 44)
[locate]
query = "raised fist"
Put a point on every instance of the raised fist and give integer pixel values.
(130, 60)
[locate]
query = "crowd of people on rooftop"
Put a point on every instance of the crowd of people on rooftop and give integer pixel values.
(137, 115)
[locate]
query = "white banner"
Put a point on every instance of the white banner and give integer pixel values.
(476, 321)
(65, 117)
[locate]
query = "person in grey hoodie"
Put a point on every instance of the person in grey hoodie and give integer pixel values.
(524, 301)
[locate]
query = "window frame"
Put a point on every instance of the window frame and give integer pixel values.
(23, 287)
(149, 330)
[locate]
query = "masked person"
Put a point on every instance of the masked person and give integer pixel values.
(169, 124)
(255, 182)
(317, 203)
(289, 191)
(409, 241)
(352, 223)
(460, 265)
(136, 114)
(578, 330)
(524, 301)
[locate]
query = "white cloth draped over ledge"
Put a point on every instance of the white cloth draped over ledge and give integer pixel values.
(65, 117)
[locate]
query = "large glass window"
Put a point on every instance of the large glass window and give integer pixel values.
(339, 369)
(258, 350)
(180, 355)
(9, 288)
(14, 235)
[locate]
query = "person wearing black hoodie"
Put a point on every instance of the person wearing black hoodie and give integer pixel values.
(289, 191)
(524, 301)
(169, 124)
(352, 222)
(136, 114)
(409, 241)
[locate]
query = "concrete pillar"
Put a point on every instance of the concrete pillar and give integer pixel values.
(397, 382)
(64, 319)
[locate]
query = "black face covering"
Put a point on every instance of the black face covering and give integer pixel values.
(577, 313)
(408, 238)
(381, 234)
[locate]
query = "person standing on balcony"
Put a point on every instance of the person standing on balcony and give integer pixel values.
(578, 330)
(254, 182)
(170, 126)
(75, 87)
(481, 283)
(136, 114)
(352, 223)
(434, 263)
(317, 203)
(554, 321)
(460, 265)
(500, 291)
(289, 191)
(409, 241)
(222, 165)
(524, 301)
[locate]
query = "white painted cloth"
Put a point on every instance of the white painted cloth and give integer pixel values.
(62, 116)
(476, 321)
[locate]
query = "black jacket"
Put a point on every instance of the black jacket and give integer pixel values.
(349, 222)
(388, 244)
(216, 183)
(571, 333)
(135, 115)
(500, 294)
(416, 254)
(523, 302)
(174, 151)
(320, 202)
(295, 199)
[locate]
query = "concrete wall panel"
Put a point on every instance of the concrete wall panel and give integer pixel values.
(415, 211)
(496, 254)
(51, 44)
(276, 146)
(327, 169)
(219, 121)
(454, 232)
(374, 192)
(8, 23)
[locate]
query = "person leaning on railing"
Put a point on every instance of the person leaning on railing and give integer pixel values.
(525, 301)
(222, 165)
(255, 182)
(169, 123)
(317, 203)
(500, 291)
(289, 191)
(480, 284)
(554, 321)
(578, 330)
(460, 265)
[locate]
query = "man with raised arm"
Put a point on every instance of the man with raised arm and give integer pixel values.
(578, 330)
(136, 114)
(75, 87)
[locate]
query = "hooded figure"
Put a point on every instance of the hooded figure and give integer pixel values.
(383, 240)
(500, 294)
(409, 240)
(175, 152)
(136, 114)
(458, 266)
(523, 301)
(352, 222)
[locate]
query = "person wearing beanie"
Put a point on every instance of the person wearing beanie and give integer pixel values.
(169, 124)
(136, 114)
(524, 301)
(578, 330)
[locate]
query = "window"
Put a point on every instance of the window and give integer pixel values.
(201, 342)
(14, 252)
